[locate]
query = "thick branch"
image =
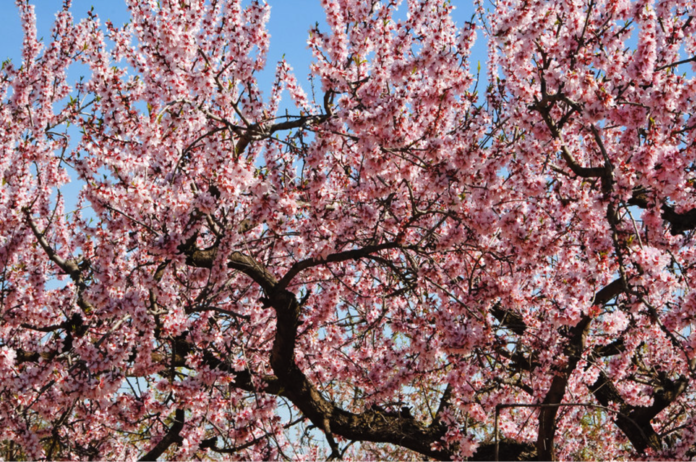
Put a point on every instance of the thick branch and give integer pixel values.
(634, 425)
(509, 319)
(373, 425)
(355, 254)
(679, 222)
(515, 322)
(608, 292)
(236, 260)
(445, 402)
(573, 350)
(519, 359)
(260, 131)
(243, 379)
(172, 437)
(544, 107)
(508, 450)
(574, 165)
(612, 349)
(547, 415)
(577, 338)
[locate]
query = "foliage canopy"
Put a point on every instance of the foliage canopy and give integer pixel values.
(398, 264)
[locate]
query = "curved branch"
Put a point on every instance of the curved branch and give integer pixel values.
(172, 437)
(236, 260)
(633, 421)
(71, 267)
(679, 222)
(374, 424)
(573, 350)
(347, 255)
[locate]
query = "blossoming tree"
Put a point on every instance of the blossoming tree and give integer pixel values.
(403, 267)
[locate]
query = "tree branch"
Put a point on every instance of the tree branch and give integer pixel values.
(172, 437)
(679, 222)
(633, 421)
(69, 266)
(677, 63)
(547, 415)
(372, 425)
(236, 260)
(347, 255)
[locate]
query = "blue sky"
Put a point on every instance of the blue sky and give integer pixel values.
(289, 25)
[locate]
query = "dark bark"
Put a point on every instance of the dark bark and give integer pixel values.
(634, 421)
(679, 223)
(507, 450)
(547, 415)
(355, 254)
(374, 424)
(509, 319)
(573, 350)
(172, 437)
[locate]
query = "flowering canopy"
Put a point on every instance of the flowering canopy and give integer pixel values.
(397, 264)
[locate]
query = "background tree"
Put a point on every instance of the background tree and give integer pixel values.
(396, 264)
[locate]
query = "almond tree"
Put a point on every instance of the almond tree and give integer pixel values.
(401, 265)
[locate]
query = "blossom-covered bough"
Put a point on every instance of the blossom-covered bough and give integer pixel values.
(394, 266)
